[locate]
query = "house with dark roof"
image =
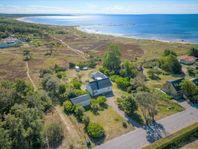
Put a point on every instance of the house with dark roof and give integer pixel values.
(173, 88)
(100, 85)
(83, 100)
(195, 80)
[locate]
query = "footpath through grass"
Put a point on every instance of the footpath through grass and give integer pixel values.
(177, 139)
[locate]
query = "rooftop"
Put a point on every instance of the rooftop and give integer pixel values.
(98, 76)
(187, 58)
(99, 84)
(176, 83)
(79, 99)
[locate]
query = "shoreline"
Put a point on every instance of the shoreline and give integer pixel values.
(107, 34)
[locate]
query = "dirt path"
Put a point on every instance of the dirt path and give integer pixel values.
(28, 75)
(78, 52)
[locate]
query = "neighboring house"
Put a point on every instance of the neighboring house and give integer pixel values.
(195, 80)
(100, 85)
(188, 60)
(9, 42)
(172, 88)
(83, 100)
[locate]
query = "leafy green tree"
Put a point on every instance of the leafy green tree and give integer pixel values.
(95, 131)
(68, 106)
(170, 64)
(128, 104)
(189, 88)
(147, 103)
(169, 52)
(128, 70)
(5, 141)
(54, 134)
(79, 111)
(193, 52)
(22, 88)
(94, 106)
(111, 58)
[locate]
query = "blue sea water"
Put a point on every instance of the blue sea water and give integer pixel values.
(156, 27)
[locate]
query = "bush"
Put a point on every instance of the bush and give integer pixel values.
(68, 106)
(79, 111)
(101, 100)
(95, 131)
(71, 65)
(124, 124)
(58, 68)
(85, 120)
(94, 106)
(122, 83)
(151, 63)
(76, 83)
(104, 70)
(44, 72)
(60, 74)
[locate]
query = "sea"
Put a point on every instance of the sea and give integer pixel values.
(174, 28)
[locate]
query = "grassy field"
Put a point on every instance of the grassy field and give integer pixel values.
(110, 121)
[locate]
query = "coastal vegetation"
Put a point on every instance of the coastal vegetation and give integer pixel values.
(137, 69)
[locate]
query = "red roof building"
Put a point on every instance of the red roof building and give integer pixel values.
(188, 60)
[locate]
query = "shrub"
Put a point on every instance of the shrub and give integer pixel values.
(94, 106)
(44, 72)
(71, 65)
(101, 100)
(105, 71)
(68, 106)
(79, 111)
(95, 131)
(60, 74)
(58, 68)
(124, 124)
(122, 83)
(76, 83)
(189, 88)
(85, 120)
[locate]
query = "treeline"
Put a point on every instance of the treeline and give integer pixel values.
(21, 116)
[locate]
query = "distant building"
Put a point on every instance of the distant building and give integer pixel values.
(173, 88)
(188, 60)
(83, 100)
(195, 80)
(77, 68)
(9, 42)
(100, 85)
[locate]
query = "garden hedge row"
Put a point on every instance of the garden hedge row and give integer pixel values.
(176, 139)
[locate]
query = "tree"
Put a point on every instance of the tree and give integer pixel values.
(54, 134)
(76, 83)
(68, 106)
(94, 106)
(170, 64)
(189, 88)
(147, 103)
(111, 58)
(128, 70)
(79, 111)
(193, 52)
(127, 104)
(95, 131)
(22, 88)
(169, 52)
(86, 120)
(5, 142)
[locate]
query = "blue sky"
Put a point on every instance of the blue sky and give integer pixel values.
(100, 6)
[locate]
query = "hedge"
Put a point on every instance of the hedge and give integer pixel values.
(175, 139)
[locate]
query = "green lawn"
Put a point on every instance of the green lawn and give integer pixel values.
(110, 121)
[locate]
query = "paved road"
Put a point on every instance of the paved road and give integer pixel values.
(144, 136)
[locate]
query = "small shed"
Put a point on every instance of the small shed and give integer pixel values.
(83, 100)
